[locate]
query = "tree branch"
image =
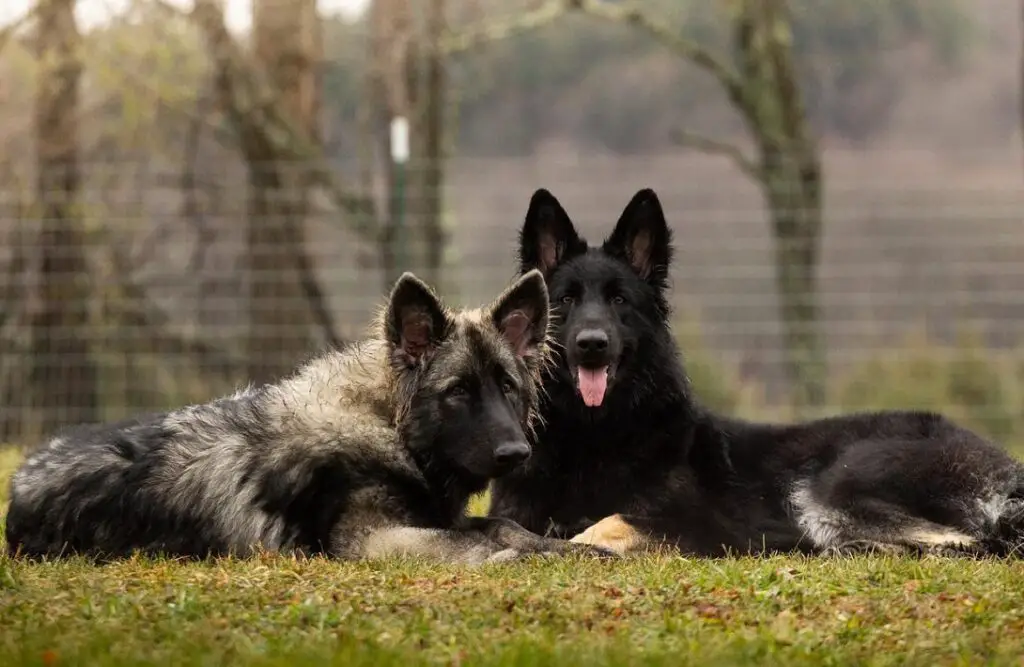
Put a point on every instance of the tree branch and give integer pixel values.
(718, 147)
(191, 210)
(253, 107)
(671, 38)
(317, 301)
(9, 30)
(136, 309)
(492, 31)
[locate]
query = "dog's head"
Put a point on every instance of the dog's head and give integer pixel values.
(471, 378)
(606, 300)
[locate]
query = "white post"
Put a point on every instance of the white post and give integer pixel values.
(399, 157)
(399, 140)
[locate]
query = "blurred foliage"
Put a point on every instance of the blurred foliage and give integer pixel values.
(980, 388)
(614, 87)
(975, 386)
(717, 384)
(343, 79)
(598, 83)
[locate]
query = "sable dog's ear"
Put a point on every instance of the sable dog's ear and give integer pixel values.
(642, 238)
(416, 321)
(548, 237)
(521, 314)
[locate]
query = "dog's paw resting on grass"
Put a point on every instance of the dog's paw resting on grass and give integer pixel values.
(613, 533)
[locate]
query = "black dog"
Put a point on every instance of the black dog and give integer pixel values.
(622, 436)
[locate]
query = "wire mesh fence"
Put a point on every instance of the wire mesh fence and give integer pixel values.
(184, 264)
(921, 285)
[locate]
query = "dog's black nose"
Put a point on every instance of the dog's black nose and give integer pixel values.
(592, 341)
(511, 454)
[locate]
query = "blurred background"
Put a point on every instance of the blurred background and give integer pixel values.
(194, 196)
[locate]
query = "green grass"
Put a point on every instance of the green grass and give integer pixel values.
(665, 611)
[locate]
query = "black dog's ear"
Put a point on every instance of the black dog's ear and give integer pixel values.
(642, 237)
(415, 322)
(521, 314)
(548, 237)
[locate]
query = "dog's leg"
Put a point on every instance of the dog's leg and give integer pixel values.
(510, 534)
(482, 540)
(619, 533)
(879, 528)
(449, 546)
(867, 525)
(942, 541)
(857, 547)
(903, 547)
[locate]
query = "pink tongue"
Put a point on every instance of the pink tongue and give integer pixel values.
(592, 385)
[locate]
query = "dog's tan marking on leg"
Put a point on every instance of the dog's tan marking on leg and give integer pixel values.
(612, 533)
(940, 537)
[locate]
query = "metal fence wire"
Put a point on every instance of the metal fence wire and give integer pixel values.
(166, 239)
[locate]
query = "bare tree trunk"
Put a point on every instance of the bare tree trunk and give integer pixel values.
(796, 219)
(792, 181)
(388, 88)
(430, 166)
(14, 357)
(409, 81)
(378, 118)
(63, 376)
(287, 43)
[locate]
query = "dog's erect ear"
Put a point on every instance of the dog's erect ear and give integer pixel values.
(642, 238)
(521, 314)
(416, 320)
(548, 237)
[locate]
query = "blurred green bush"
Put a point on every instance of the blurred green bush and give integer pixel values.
(979, 387)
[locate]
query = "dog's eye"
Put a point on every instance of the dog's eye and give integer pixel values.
(508, 386)
(456, 391)
(567, 299)
(618, 300)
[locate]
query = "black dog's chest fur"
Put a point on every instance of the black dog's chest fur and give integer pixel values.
(585, 470)
(592, 480)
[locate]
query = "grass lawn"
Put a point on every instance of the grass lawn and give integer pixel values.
(671, 611)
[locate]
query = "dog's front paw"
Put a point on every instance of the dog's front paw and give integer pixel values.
(611, 533)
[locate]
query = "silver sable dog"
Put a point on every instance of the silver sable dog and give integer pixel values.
(367, 452)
